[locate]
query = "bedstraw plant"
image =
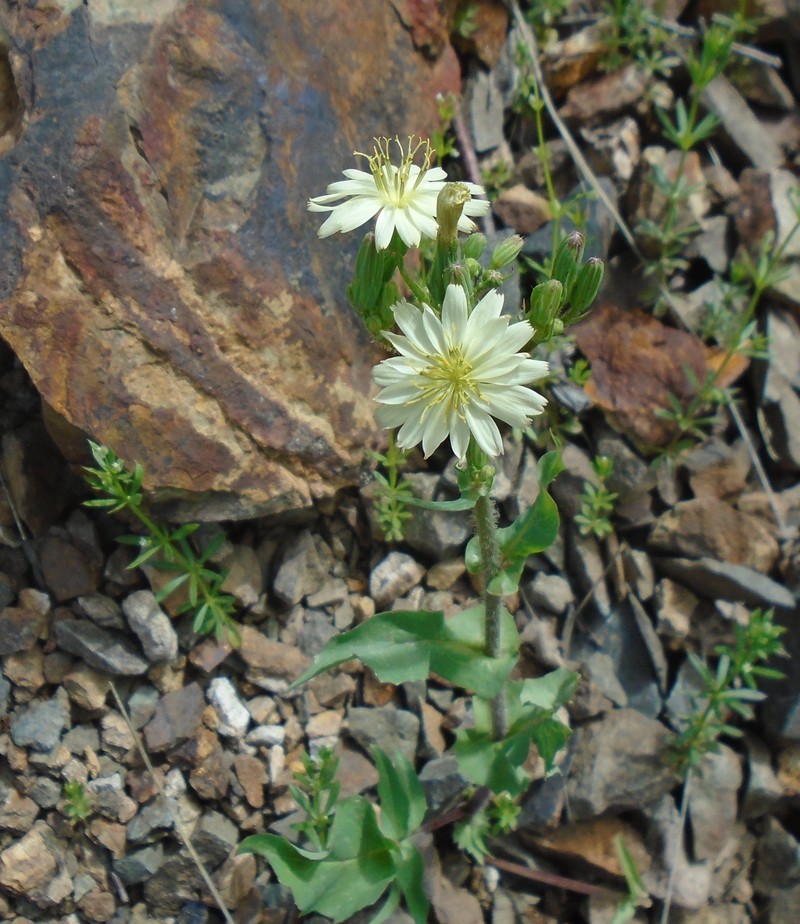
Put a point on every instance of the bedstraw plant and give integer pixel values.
(168, 550)
(458, 367)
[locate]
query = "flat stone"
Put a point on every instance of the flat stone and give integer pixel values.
(613, 149)
(17, 812)
(713, 803)
(214, 838)
(592, 842)
(40, 724)
(301, 570)
(29, 863)
(619, 763)
(777, 859)
(87, 687)
(103, 610)
(103, 649)
(233, 714)
(139, 865)
(675, 609)
(763, 788)
(387, 727)
(665, 841)
(178, 716)
(392, 577)
(522, 209)
(152, 626)
(709, 528)
(718, 579)
(740, 124)
(271, 665)
(604, 97)
(67, 570)
(21, 626)
(253, 777)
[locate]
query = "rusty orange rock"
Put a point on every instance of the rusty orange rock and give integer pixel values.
(160, 277)
(637, 362)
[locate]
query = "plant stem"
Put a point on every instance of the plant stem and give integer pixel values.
(486, 532)
(420, 293)
(676, 854)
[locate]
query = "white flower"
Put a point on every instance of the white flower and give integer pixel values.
(455, 375)
(403, 197)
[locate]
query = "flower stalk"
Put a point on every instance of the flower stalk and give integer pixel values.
(485, 519)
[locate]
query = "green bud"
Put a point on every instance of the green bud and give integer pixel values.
(587, 284)
(545, 304)
(473, 246)
(473, 267)
(507, 251)
(558, 327)
(460, 276)
(449, 206)
(568, 258)
(370, 275)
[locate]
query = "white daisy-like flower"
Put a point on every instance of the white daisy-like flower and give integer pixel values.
(456, 375)
(403, 196)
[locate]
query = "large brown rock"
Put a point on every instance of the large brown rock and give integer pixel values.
(160, 277)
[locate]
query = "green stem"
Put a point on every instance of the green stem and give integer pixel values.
(486, 531)
(544, 157)
(421, 294)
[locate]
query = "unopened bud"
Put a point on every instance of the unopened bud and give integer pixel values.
(587, 284)
(507, 251)
(460, 276)
(473, 246)
(568, 258)
(472, 266)
(545, 302)
(374, 269)
(449, 206)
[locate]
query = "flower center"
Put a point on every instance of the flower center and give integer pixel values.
(449, 380)
(392, 182)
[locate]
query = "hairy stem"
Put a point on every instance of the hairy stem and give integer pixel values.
(486, 532)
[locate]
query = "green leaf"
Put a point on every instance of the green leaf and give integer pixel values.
(532, 532)
(389, 906)
(551, 691)
(470, 834)
(411, 878)
(401, 795)
(529, 707)
(404, 646)
(353, 874)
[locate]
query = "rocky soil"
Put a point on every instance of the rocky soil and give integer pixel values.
(94, 671)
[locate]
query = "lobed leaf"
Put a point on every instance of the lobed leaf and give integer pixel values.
(353, 874)
(403, 646)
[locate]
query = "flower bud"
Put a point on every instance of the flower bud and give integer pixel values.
(449, 206)
(545, 303)
(472, 266)
(587, 284)
(473, 246)
(374, 268)
(507, 251)
(461, 276)
(567, 260)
